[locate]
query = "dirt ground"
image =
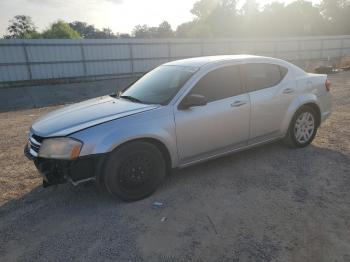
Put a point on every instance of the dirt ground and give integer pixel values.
(270, 203)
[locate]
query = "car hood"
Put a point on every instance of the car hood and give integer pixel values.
(73, 118)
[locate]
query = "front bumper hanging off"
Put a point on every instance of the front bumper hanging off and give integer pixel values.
(56, 171)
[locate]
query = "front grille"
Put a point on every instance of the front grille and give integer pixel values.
(38, 138)
(34, 143)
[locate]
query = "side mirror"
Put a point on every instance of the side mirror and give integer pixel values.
(193, 100)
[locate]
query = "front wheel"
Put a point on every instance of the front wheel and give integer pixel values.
(134, 171)
(302, 129)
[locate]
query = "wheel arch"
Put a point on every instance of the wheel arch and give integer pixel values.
(157, 143)
(316, 108)
(296, 105)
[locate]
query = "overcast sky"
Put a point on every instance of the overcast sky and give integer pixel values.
(119, 15)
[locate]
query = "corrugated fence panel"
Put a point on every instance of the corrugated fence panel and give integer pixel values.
(216, 48)
(185, 50)
(331, 48)
(346, 52)
(13, 73)
(310, 49)
(346, 43)
(346, 47)
(108, 68)
(141, 66)
(52, 58)
(265, 48)
(150, 51)
(12, 54)
(61, 70)
(246, 47)
(54, 53)
(55, 60)
(97, 52)
(287, 50)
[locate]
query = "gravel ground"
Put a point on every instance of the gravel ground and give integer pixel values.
(270, 203)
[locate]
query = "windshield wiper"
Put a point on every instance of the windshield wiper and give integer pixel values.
(133, 99)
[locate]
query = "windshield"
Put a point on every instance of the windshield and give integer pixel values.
(160, 85)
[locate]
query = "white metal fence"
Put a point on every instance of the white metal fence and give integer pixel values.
(51, 59)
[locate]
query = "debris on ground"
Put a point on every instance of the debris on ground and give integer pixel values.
(324, 70)
(157, 204)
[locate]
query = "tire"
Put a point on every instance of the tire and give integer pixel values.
(301, 132)
(134, 171)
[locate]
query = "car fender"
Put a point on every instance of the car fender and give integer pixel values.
(113, 141)
(106, 137)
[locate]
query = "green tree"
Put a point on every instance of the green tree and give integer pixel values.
(337, 13)
(85, 30)
(105, 33)
(20, 26)
(32, 35)
(194, 29)
(91, 32)
(214, 18)
(60, 30)
(299, 18)
(250, 8)
(165, 31)
(203, 8)
(183, 30)
(223, 19)
(162, 31)
(143, 31)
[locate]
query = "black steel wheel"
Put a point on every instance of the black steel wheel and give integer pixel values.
(134, 171)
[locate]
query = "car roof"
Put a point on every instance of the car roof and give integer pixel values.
(204, 60)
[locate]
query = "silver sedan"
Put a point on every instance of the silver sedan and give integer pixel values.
(181, 113)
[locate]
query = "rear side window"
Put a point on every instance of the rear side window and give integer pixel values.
(219, 84)
(260, 76)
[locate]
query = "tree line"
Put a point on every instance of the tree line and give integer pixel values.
(214, 19)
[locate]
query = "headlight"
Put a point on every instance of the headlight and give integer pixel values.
(60, 148)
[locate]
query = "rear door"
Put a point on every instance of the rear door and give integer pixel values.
(221, 124)
(271, 90)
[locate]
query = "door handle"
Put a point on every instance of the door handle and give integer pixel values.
(238, 103)
(288, 91)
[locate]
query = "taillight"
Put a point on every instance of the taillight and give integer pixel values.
(328, 85)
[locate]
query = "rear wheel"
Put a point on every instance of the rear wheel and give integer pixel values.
(303, 128)
(134, 171)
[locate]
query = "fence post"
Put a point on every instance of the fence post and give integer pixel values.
(169, 50)
(322, 47)
(274, 48)
(342, 48)
(202, 47)
(131, 55)
(298, 50)
(229, 52)
(83, 58)
(24, 46)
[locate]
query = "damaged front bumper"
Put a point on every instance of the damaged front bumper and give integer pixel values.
(56, 171)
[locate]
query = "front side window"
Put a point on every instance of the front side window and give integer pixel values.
(260, 76)
(160, 85)
(219, 84)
